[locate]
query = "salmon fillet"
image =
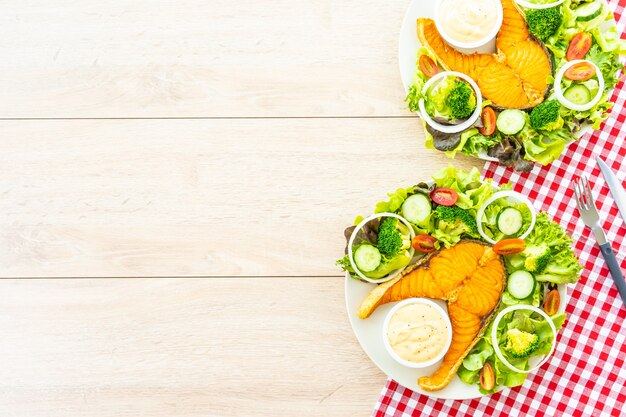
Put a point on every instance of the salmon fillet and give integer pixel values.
(515, 77)
(470, 277)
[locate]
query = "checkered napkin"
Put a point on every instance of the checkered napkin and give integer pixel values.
(587, 374)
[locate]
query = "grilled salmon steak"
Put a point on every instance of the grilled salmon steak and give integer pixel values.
(515, 77)
(470, 276)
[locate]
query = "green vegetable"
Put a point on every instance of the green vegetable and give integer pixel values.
(436, 98)
(537, 257)
(367, 258)
(563, 266)
(546, 116)
(521, 344)
(543, 23)
(417, 209)
(578, 94)
(390, 240)
(520, 284)
(588, 11)
(471, 189)
(452, 223)
(510, 221)
(461, 100)
(609, 65)
(511, 121)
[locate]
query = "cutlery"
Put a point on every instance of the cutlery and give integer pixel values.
(617, 190)
(591, 218)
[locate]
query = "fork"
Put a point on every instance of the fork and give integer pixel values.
(591, 218)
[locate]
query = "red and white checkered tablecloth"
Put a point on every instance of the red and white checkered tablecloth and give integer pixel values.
(587, 374)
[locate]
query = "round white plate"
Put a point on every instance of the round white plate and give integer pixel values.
(369, 333)
(409, 45)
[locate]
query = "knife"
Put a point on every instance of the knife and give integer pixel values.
(616, 187)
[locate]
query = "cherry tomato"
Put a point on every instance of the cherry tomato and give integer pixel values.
(428, 66)
(552, 302)
(509, 246)
(578, 46)
(444, 196)
(487, 377)
(580, 72)
(488, 117)
(424, 243)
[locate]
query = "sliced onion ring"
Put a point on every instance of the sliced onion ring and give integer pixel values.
(392, 274)
(503, 194)
(496, 346)
(558, 89)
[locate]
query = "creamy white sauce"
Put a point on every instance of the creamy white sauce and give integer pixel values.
(468, 21)
(417, 332)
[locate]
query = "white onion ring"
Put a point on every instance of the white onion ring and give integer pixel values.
(558, 90)
(393, 273)
(530, 5)
(494, 336)
(503, 194)
(452, 128)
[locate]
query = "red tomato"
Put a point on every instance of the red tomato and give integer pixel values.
(488, 117)
(578, 46)
(552, 302)
(509, 246)
(444, 196)
(580, 72)
(487, 377)
(428, 66)
(424, 243)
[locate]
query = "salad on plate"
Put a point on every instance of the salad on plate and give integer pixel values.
(499, 267)
(549, 81)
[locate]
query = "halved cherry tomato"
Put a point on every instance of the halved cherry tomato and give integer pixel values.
(580, 72)
(444, 196)
(428, 66)
(552, 303)
(487, 377)
(578, 46)
(424, 243)
(509, 246)
(488, 117)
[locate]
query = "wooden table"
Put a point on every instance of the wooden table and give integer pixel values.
(176, 178)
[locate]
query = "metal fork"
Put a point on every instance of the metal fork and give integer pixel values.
(591, 218)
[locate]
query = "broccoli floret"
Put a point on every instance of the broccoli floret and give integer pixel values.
(520, 344)
(544, 23)
(390, 237)
(537, 258)
(461, 100)
(546, 116)
(455, 220)
(562, 268)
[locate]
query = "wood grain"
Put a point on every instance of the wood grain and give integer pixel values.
(196, 197)
(192, 58)
(181, 347)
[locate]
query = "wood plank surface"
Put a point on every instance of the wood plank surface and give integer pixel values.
(181, 348)
(196, 197)
(192, 58)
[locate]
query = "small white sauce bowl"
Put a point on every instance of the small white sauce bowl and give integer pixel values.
(558, 89)
(461, 126)
(393, 353)
(393, 273)
(529, 5)
(485, 45)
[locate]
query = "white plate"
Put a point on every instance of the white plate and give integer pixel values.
(369, 334)
(409, 44)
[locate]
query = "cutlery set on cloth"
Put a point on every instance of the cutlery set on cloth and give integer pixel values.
(586, 376)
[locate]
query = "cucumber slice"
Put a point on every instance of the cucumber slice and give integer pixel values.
(509, 221)
(511, 121)
(588, 11)
(521, 284)
(578, 94)
(416, 208)
(367, 258)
